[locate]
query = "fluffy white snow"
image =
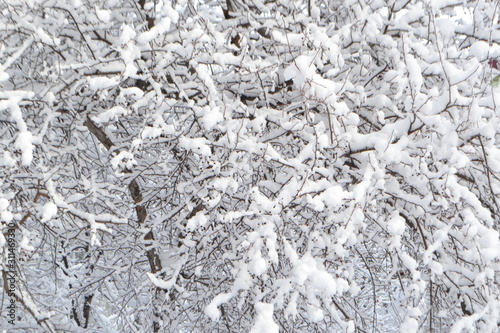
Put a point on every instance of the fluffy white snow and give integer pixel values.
(264, 322)
(49, 211)
(196, 145)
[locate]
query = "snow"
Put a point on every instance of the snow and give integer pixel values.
(24, 143)
(45, 38)
(409, 325)
(132, 92)
(396, 225)
(323, 282)
(291, 39)
(409, 263)
(123, 160)
(291, 309)
(333, 196)
(446, 27)
(414, 72)
(300, 70)
(25, 241)
(4, 203)
(102, 14)
(160, 283)
(243, 280)
(264, 322)
(50, 97)
(315, 12)
(25, 139)
(49, 211)
(7, 160)
(212, 310)
(480, 50)
(303, 72)
(271, 248)
(161, 27)
(197, 221)
(5, 214)
(150, 132)
(314, 313)
(100, 83)
(341, 108)
(196, 145)
(13, 58)
(112, 114)
(225, 184)
(127, 34)
(4, 76)
(210, 117)
(465, 324)
(258, 265)
(436, 267)
(490, 245)
(76, 3)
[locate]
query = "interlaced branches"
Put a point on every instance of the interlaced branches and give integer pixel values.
(251, 166)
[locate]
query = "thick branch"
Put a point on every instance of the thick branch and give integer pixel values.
(98, 133)
(135, 192)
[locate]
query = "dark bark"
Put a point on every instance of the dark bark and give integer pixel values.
(136, 194)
